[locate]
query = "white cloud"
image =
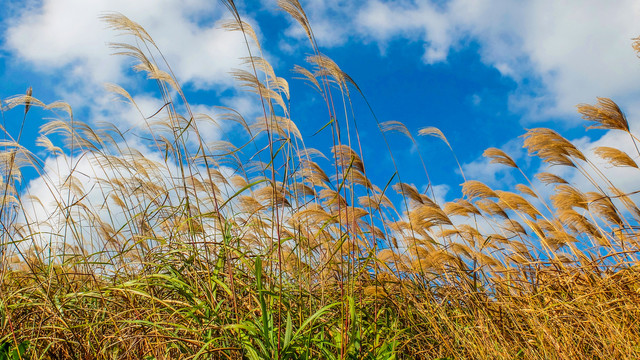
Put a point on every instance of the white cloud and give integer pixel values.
(61, 215)
(441, 192)
(421, 20)
(67, 41)
(331, 21)
(57, 214)
(67, 34)
(623, 178)
(560, 53)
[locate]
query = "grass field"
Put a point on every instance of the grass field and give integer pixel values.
(221, 250)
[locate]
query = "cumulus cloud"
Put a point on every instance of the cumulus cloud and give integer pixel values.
(82, 201)
(560, 53)
(67, 42)
(72, 196)
(68, 34)
(623, 178)
(441, 192)
(324, 15)
(425, 21)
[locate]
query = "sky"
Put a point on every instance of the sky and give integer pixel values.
(482, 71)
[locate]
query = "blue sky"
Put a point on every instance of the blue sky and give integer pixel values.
(480, 70)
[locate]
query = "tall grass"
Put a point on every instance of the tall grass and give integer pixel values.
(163, 245)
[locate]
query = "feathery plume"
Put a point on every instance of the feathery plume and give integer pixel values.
(473, 189)
(615, 156)
(551, 147)
(434, 131)
(605, 114)
(549, 178)
(498, 156)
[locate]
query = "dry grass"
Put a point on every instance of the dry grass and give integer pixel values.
(253, 250)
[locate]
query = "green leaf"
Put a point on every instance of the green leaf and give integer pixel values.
(313, 317)
(288, 331)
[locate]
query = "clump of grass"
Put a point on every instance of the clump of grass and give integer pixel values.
(206, 251)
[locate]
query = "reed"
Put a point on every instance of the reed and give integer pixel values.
(174, 247)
